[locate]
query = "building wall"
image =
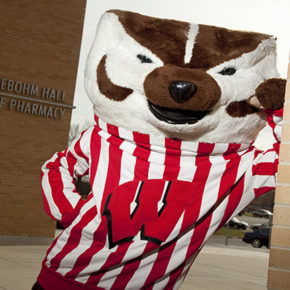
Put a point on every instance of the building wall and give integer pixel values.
(40, 43)
(279, 263)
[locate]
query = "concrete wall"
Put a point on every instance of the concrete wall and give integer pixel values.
(279, 264)
(40, 44)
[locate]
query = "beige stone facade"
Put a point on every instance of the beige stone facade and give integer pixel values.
(40, 44)
(279, 264)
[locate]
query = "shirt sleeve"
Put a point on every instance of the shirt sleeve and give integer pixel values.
(58, 175)
(265, 165)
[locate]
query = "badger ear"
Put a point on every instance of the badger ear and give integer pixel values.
(271, 93)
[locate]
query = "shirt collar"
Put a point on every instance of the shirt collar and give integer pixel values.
(118, 135)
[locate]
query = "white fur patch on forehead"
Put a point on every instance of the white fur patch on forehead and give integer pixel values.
(191, 36)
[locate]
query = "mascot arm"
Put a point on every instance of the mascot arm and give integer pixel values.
(270, 97)
(58, 175)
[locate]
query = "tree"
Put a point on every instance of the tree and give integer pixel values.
(76, 130)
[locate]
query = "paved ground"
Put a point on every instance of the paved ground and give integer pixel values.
(227, 269)
(237, 266)
(19, 266)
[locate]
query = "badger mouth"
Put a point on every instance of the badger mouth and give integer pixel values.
(176, 116)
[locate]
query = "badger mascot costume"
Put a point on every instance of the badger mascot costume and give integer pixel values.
(170, 157)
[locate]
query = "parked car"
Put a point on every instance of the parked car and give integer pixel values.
(262, 213)
(256, 227)
(258, 238)
(237, 224)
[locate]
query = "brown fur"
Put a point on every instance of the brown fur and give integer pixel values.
(240, 109)
(165, 38)
(271, 93)
(157, 82)
(107, 88)
(214, 45)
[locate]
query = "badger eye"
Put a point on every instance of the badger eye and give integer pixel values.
(228, 71)
(144, 59)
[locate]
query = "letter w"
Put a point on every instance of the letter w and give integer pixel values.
(152, 207)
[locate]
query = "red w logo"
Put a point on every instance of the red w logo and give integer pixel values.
(152, 207)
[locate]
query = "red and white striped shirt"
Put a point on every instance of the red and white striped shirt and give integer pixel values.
(154, 203)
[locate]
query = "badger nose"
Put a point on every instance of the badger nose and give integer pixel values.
(181, 91)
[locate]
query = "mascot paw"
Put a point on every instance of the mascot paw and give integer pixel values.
(270, 94)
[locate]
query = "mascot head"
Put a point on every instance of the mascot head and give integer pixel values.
(178, 79)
